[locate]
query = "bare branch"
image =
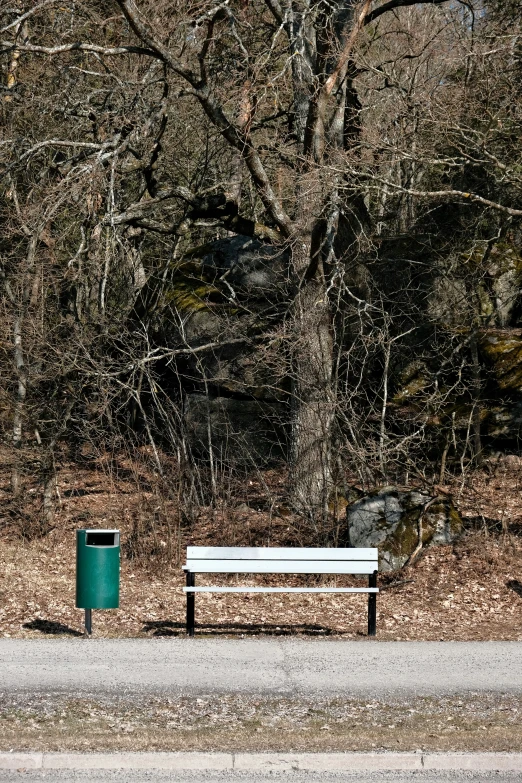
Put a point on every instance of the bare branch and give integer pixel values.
(214, 110)
(159, 354)
(145, 34)
(474, 197)
(446, 194)
(347, 49)
(276, 9)
(202, 207)
(314, 139)
(8, 46)
(389, 6)
(59, 143)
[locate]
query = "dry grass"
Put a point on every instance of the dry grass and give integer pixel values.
(251, 724)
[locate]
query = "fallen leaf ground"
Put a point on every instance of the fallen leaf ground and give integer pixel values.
(470, 590)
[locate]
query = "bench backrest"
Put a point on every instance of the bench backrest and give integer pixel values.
(280, 560)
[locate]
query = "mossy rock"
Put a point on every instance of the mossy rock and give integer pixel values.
(252, 268)
(389, 520)
(411, 380)
(505, 421)
(416, 385)
(503, 349)
(189, 297)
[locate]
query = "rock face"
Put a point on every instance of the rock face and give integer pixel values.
(248, 266)
(390, 520)
(235, 393)
(505, 421)
(503, 350)
(242, 432)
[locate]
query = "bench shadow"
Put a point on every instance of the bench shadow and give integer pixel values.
(515, 585)
(52, 628)
(168, 628)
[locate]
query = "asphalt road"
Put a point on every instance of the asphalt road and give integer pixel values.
(231, 777)
(276, 667)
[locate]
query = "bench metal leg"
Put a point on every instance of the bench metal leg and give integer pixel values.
(191, 604)
(372, 606)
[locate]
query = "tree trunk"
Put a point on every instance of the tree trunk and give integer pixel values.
(19, 360)
(311, 395)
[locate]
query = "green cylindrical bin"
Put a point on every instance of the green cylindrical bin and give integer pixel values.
(97, 569)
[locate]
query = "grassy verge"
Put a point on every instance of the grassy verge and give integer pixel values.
(475, 722)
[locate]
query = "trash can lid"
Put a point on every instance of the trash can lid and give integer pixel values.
(101, 537)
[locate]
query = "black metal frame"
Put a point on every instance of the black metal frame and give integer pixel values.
(372, 605)
(191, 603)
(88, 622)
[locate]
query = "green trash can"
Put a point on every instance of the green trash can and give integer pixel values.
(97, 569)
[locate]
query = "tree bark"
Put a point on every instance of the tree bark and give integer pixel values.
(19, 358)
(311, 394)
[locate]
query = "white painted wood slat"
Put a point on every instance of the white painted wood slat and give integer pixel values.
(281, 567)
(280, 553)
(280, 589)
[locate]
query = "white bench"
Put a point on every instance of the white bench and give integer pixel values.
(280, 560)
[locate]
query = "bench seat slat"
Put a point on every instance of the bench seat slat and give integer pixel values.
(280, 553)
(280, 589)
(281, 566)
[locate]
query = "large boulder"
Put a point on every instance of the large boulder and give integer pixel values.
(503, 351)
(247, 267)
(240, 432)
(208, 292)
(395, 522)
